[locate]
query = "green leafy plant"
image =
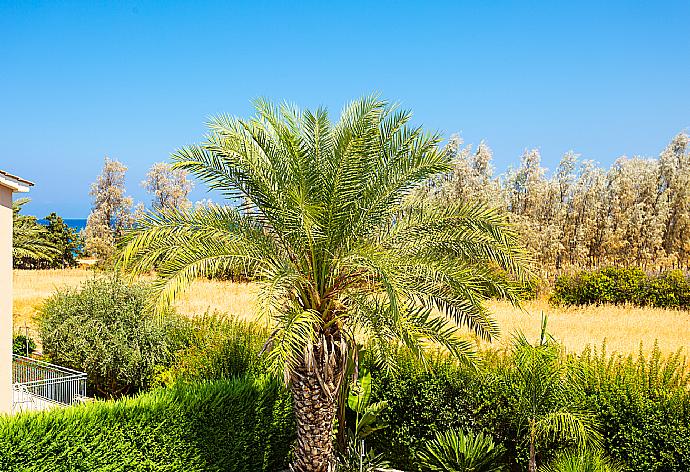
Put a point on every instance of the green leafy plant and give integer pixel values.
(239, 425)
(328, 232)
(31, 244)
(23, 345)
(67, 241)
(356, 457)
(583, 461)
(459, 451)
(103, 329)
(547, 397)
(614, 285)
(220, 347)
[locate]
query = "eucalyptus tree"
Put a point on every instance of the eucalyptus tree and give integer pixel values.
(111, 213)
(324, 226)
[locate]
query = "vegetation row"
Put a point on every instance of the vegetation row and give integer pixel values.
(623, 285)
(235, 425)
(636, 408)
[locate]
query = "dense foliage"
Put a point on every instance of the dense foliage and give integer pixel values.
(325, 229)
(642, 407)
(242, 425)
(23, 345)
(219, 347)
(623, 285)
(67, 241)
(641, 404)
(637, 212)
(38, 246)
(103, 329)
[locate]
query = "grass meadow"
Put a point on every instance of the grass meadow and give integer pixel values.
(622, 327)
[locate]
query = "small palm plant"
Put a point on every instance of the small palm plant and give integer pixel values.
(458, 451)
(582, 461)
(546, 396)
(324, 228)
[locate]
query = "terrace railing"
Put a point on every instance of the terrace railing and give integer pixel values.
(40, 385)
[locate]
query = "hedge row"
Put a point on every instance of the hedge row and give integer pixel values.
(623, 285)
(236, 425)
(641, 404)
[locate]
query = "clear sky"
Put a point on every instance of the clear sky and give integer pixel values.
(135, 80)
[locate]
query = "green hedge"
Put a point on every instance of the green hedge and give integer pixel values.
(642, 405)
(623, 285)
(236, 425)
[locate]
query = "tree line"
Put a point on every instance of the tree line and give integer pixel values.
(53, 244)
(635, 213)
(113, 211)
(580, 216)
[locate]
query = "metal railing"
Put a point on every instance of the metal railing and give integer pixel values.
(40, 385)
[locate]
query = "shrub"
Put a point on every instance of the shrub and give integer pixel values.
(23, 345)
(641, 404)
(241, 425)
(422, 402)
(457, 451)
(220, 347)
(103, 329)
(583, 462)
(623, 285)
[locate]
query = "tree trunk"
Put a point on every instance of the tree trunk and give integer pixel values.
(315, 414)
(315, 385)
(532, 458)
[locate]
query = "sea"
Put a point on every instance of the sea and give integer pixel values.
(77, 224)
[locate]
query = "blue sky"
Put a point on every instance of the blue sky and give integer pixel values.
(134, 81)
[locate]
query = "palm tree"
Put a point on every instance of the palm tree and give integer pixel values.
(323, 225)
(29, 239)
(547, 396)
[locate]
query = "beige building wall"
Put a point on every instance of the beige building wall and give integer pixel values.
(5, 299)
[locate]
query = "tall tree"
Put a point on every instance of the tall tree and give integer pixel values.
(168, 187)
(637, 212)
(65, 239)
(324, 230)
(111, 212)
(30, 242)
(675, 194)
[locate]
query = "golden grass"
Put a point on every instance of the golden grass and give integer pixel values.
(210, 295)
(32, 287)
(623, 327)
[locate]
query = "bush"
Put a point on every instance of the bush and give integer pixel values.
(423, 402)
(103, 329)
(623, 285)
(241, 425)
(23, 345)
(457, 451)
(220, 347)
(641, 404)
(583, 462)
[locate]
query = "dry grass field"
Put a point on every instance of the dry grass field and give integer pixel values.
(623, 327)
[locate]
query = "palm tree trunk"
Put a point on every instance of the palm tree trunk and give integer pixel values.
(315, 414)
(532, 458)
(316, 385)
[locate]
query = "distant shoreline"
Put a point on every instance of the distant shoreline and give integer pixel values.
(75, 223)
